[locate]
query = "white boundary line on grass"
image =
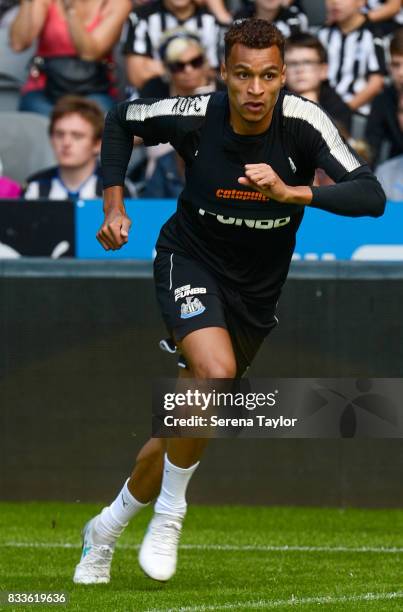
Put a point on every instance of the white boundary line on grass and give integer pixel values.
(225, 547)
(293, 601)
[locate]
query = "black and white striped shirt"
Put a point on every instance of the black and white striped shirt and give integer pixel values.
(289, 20)
(145, 27)
(352, 58)
(49, 184)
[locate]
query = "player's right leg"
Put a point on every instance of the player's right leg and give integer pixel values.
(100, 534)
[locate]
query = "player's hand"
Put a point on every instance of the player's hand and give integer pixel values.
(263, 178)
(114, 232)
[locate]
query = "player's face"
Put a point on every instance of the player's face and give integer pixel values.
(73, 141)
(305, 72)
(396, 69)
(254, 78)
(340, 10)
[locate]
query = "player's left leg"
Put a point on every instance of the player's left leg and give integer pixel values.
(209, 354)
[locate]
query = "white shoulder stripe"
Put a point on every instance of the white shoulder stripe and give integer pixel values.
(296, 108)
(194, 106)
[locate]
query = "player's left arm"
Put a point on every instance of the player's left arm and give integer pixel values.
(357, 191)
(263, 178)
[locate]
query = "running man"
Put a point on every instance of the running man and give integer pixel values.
(250, 157)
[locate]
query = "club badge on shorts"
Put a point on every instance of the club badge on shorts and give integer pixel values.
(192, 307)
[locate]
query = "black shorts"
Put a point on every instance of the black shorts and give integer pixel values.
(191, 298)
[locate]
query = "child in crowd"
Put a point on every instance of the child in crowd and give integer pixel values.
(306, 61)
(289, 20)
(356, 55)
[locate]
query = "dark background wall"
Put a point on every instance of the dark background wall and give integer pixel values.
(78, 354)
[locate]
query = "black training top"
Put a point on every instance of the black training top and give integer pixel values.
(244, 238)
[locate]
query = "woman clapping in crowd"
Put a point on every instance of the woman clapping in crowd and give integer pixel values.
(75, 39)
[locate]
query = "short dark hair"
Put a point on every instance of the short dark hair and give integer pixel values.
(87, 109)
(254, 34)
(396, 44)
(307, 41)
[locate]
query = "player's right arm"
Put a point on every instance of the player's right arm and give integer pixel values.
(155, 121)
(114, 231)
(117, 144)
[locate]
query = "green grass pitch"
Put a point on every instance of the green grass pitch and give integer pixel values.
(231, 558)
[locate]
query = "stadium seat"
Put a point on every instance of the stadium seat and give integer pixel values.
(13, 64)
(24, 144)
(13, 72)
(9, 93)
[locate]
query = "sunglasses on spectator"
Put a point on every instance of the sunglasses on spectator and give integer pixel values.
(196, 62)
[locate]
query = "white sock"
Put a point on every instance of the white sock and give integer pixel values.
(114, 518)
(175, 480)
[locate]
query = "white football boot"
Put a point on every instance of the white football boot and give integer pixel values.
(95, 563)
(159, 551)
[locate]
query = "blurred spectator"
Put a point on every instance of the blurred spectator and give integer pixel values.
(390, 173)
(186, 71)
(8, 187)
(289, 20)
(356, 55)
(75, 40)
(383, 123)
(387, 14)
(75, 131)
(306, 62)
(168, 178)
(145, 29)
(8, 8)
